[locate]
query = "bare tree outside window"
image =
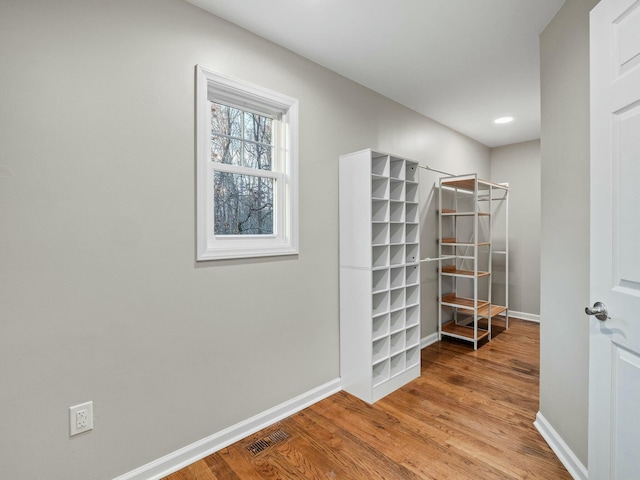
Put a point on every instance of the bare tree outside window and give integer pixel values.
(243, 203)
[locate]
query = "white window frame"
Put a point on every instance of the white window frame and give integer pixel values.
(214, 86)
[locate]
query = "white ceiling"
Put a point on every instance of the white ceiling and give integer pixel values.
(461, 62)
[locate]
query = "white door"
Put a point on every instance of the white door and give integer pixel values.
(614, 364)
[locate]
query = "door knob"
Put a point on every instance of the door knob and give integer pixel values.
(599, 310)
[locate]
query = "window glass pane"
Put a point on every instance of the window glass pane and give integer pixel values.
(240, 138)
(258, 156)
(226, 120)
(257, 128)
(243, 204)
(226, 150)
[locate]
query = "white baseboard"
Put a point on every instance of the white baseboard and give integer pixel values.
(530, 317)
(560, 448)
(428, 340)
(191, 453)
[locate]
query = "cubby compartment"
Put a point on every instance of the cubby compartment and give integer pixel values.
(396, 211)
(413, 295)
(411, 213)
(396, 168)
(396, 299)
(396, 255)
(380, 303)
(411, 192)
(396, 190)
(412, 336)
(412, 316)
(411, 233)
(411, 171)
(396, 277)
(412, 357)
(412, 275)
(380, 256)
(397, 364)
(380, 165)
(396, 233)
(380, 349)
(396, 344)
(412, 253)
(380, 210)
(396, 321)
(380, 233)
(380, 373)
(380, 188)
(380, 280)
(380, 326)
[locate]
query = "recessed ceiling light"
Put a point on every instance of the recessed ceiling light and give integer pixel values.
(503, 120)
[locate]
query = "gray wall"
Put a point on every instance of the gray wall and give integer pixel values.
(519, 165)
(100, 297)
(564, 279)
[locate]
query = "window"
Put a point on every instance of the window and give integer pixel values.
(246, 169)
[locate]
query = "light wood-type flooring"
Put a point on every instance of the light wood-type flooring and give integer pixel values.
(469, 416)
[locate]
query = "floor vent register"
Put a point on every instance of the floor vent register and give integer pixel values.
(267, 442)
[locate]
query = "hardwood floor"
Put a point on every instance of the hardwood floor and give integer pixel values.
(469, 416)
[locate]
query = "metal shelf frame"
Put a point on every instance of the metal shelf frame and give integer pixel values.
(470, 205)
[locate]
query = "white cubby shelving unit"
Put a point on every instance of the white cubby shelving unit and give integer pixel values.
(468, 214)
(379, 273)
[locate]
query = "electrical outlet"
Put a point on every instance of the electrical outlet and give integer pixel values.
(80, 418)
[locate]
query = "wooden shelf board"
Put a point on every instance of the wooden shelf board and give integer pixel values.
(451, 328)
(453, 241)
(470, 184)
(467, 184)
(449, 212)
(484, 311)
(497, 310)
(453, 300)
(452, 270)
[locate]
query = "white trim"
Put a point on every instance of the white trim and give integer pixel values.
(574, 466)
(428, 340)
(529, 317)
(192, 453)
(285, 172)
